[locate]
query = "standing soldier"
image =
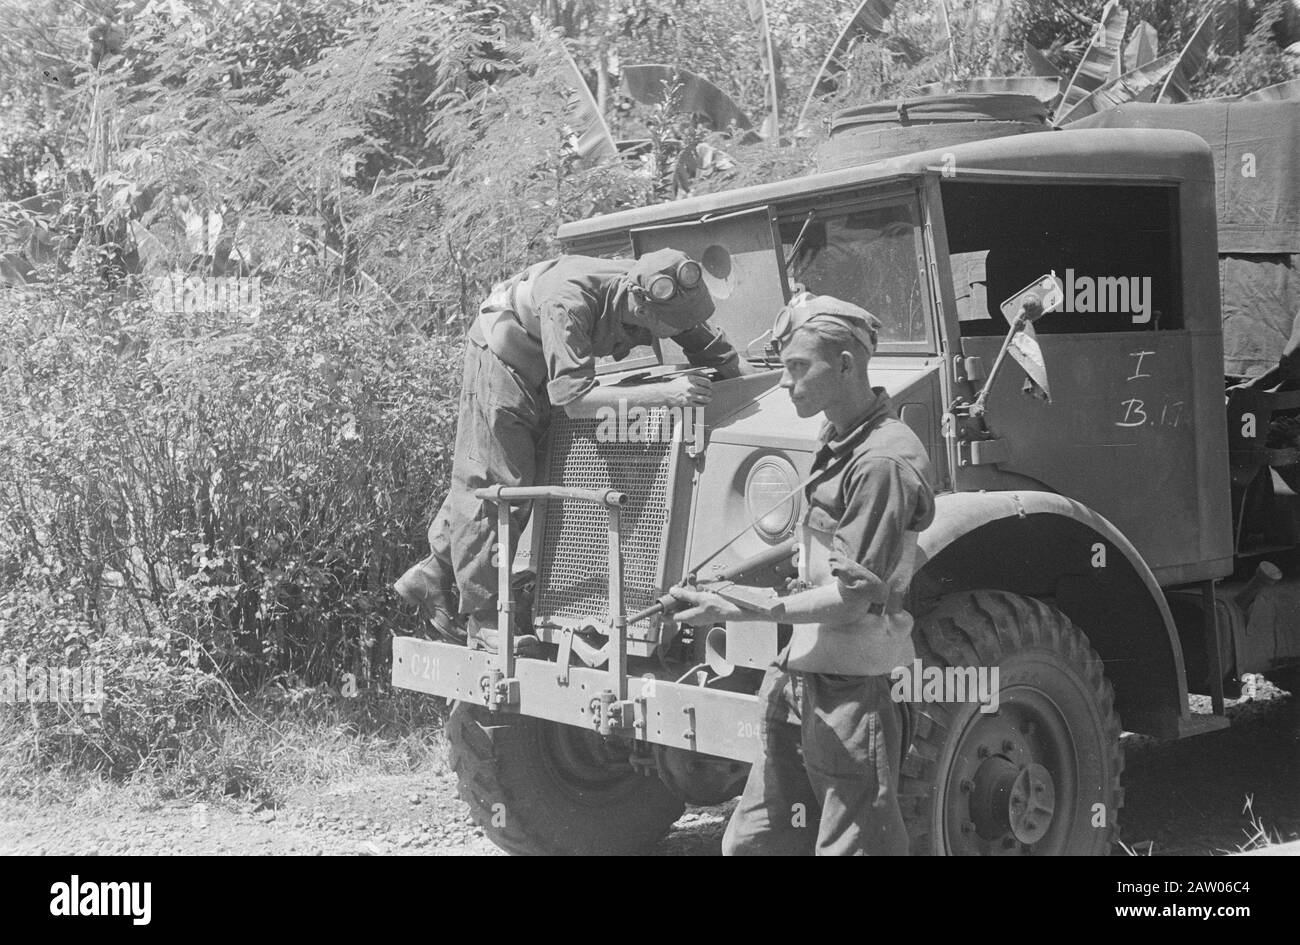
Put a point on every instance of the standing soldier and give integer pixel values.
(868, 500)
(534, 346)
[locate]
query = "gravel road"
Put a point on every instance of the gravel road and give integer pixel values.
(1181, 798)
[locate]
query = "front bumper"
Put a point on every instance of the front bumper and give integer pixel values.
(711, 721)
(645, 709)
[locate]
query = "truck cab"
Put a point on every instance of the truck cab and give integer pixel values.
(1084, 526)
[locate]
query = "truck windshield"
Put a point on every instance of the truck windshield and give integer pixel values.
(868, 256)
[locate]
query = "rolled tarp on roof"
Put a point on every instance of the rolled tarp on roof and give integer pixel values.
(880, 130)
(1256, 149)
(941, 109)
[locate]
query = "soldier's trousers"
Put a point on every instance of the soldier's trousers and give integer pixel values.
(500, 428)
(841, 797)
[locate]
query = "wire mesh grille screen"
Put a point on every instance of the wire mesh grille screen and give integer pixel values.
(573, 570)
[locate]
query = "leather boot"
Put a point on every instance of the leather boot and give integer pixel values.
(485, 636)
(413, 588)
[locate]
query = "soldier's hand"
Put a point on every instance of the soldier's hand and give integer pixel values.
(688, 390)
(702, 607)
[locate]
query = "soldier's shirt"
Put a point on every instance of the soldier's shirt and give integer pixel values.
(860, 529)
(574, 320)
(879, 490)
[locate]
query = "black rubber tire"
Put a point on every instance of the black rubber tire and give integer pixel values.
(529, 800)
(1056, 710)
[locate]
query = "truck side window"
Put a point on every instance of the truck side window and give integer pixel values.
(1114, 248)
(866, 256)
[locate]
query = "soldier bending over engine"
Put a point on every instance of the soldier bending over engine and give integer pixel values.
(534, 347)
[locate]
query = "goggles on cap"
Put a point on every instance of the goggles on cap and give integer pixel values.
(664, 286)
(803, 309)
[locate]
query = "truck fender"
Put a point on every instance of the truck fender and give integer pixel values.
(1047, 546)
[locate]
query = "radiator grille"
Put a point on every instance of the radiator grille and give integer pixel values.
(573, 569)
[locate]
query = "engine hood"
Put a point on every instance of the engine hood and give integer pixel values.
(770, 419)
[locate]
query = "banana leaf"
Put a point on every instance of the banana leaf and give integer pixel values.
(14, 270)
(1094, 68)
(869, 20)
(595, 143)
(1281, 92)
(1130, 87)
(1190, 60)
(1040, 65)
(149, 247)
(1142, 48)
(646, 84)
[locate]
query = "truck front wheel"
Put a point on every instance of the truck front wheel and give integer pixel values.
(539, 787)
(1038, 776)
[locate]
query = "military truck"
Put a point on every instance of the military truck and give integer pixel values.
(1109, 539)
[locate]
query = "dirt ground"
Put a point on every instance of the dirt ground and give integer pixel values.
(1181, 798)
(1190, 796)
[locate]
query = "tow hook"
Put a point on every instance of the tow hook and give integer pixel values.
(613, 716)
(498, 690)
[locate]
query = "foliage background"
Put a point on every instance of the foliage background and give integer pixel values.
(213, 505)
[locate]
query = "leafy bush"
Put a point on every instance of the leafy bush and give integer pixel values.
(258, 479)
(178, 728)
(149, 702)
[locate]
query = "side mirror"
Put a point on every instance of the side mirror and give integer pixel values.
(1045, 294)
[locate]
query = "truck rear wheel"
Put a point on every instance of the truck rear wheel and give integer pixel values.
(542, 788)
(1040, 775)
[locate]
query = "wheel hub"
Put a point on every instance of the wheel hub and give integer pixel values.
(1004, 773)
(1033, 802)
(990, 797)
(1006, 797)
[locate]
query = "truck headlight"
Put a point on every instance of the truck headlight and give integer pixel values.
(769, 480)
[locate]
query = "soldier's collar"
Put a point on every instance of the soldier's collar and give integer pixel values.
(878, 411)
(616, 296)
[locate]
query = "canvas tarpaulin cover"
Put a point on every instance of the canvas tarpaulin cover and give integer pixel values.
(1256, 147)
